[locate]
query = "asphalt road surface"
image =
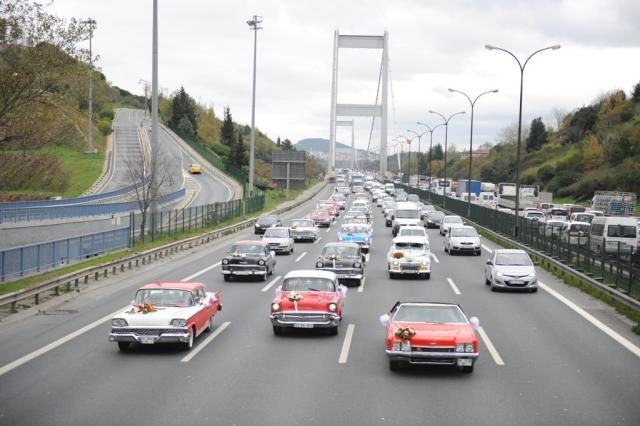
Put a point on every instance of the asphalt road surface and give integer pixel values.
(553, 360)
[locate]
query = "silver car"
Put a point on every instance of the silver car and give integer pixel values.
(462, 239)
(510, 269)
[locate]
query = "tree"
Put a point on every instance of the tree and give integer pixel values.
(635, 94)
(438, 153)
(287, 145)
(185, 127)
(278, 142)
(183, 107)
(208, 128)
(558, 115)
(227, 131)
(238, 154)
(593, 153)
(537, 135)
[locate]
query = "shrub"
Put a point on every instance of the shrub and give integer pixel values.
(108, 113)
(220, 149)
(546, 173)
(104, 125)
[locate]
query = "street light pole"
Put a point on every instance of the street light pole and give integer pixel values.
(446, 132)
(254, 25)
(521, 66)
(473, 104)
(419, 135)
(430, 130)
(90, 149)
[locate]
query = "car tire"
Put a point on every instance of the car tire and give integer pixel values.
(188, 345)
(445, 249)
(493, 288)
(534, 290)
(479, 253)
(427, 275)
(264, 276)
(486, 280)
(124, 346)
(278, 331)
(395, 365)
(333, 331)
(392, 275)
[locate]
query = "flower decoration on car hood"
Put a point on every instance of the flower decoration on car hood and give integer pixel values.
(145, 308)
(333, 257)
(405, 333)
(294, 296)
(398, 255)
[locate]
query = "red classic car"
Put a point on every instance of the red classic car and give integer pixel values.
(427, 333)
(165, 312)
(308, 299)
(331, 206)
(321, 217)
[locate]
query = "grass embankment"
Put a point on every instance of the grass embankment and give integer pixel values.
(85, 168)
(272, 200)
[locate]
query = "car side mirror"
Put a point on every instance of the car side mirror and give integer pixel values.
(488, 262)
(475, 322)
(273, 253)
(384, 319)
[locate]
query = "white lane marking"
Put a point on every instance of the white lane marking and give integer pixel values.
(593, 320)
(435, 258)
(492, 349)
(61, 341)
(344, 353)
(207, 269)
(367, 257)
(328, 229)
(453, 286)
(301, 256)
(271, 283)
(361, 288)
(206, 341)
(316, 241)
(486, 248)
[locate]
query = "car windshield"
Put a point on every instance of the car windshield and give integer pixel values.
(164, 297)
(463, 232)
(412, 232)
(557, 212)
(308, 284)
(268, 220)
(436, 215)
(584, 217)
(246, 249)
(579, 227)
(302, 224)
(429, 314)
(340, 251)
(452, 219)
(353, 229)
(407, 214)
(513, 259)
(428, 208)
(276, 233)
(410, 247)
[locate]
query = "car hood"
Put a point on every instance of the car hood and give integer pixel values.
(310, 300)
(278, 240)
(437, 334)
(341, 261)
(515, 270)
(303, 229)
(354, 237)
(473, 240)
(161, 316)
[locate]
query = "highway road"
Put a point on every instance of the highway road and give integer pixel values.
(558, 357)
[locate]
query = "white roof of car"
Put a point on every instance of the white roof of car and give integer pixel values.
(413, 227)
(408, 239)
(313, 273)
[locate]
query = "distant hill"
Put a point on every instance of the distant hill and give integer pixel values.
(319, 145)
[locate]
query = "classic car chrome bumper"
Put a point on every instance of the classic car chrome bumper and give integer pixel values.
(304, 235)
(245, 272)
(306, 319)
(345, 274)
(409, 270)
(431, 358)
(149, 335)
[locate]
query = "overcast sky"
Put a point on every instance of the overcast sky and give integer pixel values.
(207, 47)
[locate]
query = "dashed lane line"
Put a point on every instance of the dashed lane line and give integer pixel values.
(346, 345)
(433, 256)
(453, 286)
(486, 248)
(301, 256)
(492, 349)
(271, 283)
(316, 241)
(205, 342)
(328, 229)
(361, 288)
(593, 320)
(207, 269)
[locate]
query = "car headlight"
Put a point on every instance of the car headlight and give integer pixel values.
(460, 347)
(395, 346)
(275, 306)
(425, 262)
(178, 322)
(119, 322)
(468, 347)
(257, 225)
(225, 261)
(357, 265)
(531, 275)
(261, 262)
(332, 307)
(319, 264)
(396, 263)
(499, 274)
(405, 346)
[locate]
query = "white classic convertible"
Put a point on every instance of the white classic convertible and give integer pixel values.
(165, 312)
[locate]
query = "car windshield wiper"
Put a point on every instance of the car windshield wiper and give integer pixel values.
(312, 289)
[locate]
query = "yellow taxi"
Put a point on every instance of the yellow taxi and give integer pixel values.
(195, 169)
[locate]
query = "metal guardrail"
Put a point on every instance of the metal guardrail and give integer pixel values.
(67, 282)
(572, 259)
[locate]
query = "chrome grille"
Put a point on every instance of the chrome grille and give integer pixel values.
(144, 331)
(424, 349)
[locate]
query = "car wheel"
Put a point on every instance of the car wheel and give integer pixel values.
(534, 290)
(189, 343)
(493, 288)
(264, 276)
(291, 251)
(427, 275)
(395, 365)
(278, 331)
(445, 249)
(486, 280)
(333, 331)
(479, 253)
(392, 275)
(227, 277)
(124, 346)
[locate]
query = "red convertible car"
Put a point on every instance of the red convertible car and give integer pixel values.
(308, 299)
(426, 333)
(166, 312)
(321, 217)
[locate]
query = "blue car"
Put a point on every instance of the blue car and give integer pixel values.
(358, 233)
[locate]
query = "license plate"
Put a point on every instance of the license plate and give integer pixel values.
(517, 282)
(147, 340)
(463, 362)
(242, 272)
(302, 325)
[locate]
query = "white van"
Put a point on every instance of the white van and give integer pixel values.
(487, 199)
(613, 231)
(389, 188)
(406, 213)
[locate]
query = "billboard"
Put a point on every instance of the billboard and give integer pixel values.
(288, 166)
